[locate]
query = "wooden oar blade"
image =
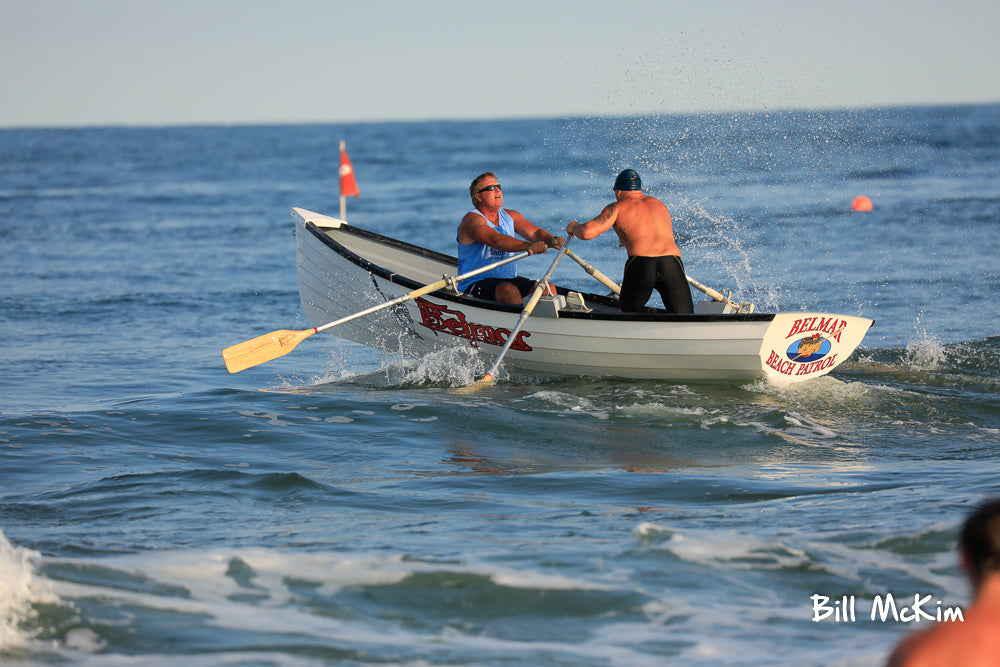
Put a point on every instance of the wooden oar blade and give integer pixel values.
(263, 348)
(486, 381)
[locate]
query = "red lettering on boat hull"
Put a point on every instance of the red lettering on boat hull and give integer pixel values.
(439, 319)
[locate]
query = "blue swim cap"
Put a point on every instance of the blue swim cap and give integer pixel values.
(628, 180)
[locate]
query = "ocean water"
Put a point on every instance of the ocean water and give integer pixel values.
(340, 506)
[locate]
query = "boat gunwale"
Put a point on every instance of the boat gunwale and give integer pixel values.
(409, 283)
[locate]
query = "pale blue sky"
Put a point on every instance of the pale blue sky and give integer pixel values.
(109, 62)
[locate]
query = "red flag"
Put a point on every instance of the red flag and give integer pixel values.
(348, 184)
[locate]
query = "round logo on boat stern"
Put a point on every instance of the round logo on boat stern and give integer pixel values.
(809, 348)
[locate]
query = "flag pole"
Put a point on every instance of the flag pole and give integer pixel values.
(343, 198)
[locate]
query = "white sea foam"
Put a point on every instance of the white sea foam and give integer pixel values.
(550, 582)
(20, 588)
(258, 590)
(656, 409)
(206, 576)
(731, 548)
(818, 391)
(566, 403)
(740, 550)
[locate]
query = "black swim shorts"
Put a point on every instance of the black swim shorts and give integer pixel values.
(487, 287)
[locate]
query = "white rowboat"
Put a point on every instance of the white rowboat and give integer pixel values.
(343, 269)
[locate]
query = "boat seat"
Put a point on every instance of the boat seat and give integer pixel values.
(548, 305)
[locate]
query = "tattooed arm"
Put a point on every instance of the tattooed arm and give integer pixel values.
(597, 226)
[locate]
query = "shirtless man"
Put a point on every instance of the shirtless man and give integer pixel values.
(644, 229)
(974, 641)
(486, 235)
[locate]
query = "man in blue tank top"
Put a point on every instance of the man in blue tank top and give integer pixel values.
(486, 235)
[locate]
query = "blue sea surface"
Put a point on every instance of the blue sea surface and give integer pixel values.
(343, 506)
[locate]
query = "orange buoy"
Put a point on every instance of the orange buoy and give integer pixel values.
(861, 203)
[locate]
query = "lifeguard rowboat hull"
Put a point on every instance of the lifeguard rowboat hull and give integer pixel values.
(343, 269)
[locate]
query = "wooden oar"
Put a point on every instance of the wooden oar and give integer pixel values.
(616, 288)
(718, 296)
(278, 343)
(490, 376)
(589, 268)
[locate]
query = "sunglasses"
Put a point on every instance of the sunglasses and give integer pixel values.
(489, 188)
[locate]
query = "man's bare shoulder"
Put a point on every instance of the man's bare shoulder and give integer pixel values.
(607, 212)
(637, 207)
(472, 227)
(471, 217)
(652, 201)
(949, 642)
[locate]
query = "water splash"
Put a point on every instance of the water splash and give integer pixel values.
(720, 245)
(925, 354)
(450, 367)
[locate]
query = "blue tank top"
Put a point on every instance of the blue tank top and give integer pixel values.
(476, 255)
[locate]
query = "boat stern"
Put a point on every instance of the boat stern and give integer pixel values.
(801, 346)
